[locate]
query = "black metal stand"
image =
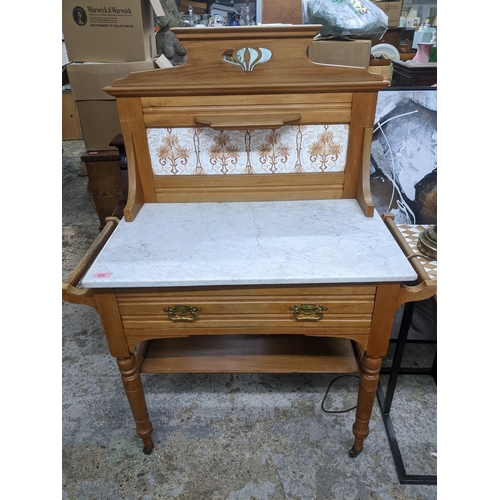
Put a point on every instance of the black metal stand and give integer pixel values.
(385, 401)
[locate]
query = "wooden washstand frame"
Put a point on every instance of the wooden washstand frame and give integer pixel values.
(206, 91)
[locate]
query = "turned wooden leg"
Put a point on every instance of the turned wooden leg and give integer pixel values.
(133, 388)
(366, 396)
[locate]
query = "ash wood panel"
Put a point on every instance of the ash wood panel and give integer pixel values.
(283, 74)
(175, 96)
(246, 194)
(111, 322)
(256, 310)
(253, 310)
(136, 145)
(140, 354)
(386, 305)
(368, 383)
(363, 195)
(141, 336)
(363, 112)
(232, 321)
(70, 292)
(336, 113)
(261, 335)
(135, 197)
(257, 180)
(362, 305)
(131, 380)
(248, 305)
(137, 335)
(249, 121)
(226, 316)
(250, 354)
(252, 187)
(250, 293)
(250, 101)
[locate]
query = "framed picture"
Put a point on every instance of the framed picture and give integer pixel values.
(404, 155)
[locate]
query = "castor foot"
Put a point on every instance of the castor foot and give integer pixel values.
(147, 451)
(354, 453)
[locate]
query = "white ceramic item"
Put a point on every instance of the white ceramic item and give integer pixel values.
(386, 50)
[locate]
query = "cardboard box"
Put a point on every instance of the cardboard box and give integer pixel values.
(281, 11)
(88, 79)
(393, 11)
(97, 110)
(109, 30)
(99, 123)
(340, 52)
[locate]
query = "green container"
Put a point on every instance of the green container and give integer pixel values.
(433, 56)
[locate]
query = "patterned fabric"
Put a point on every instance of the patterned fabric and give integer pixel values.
(411, 234)
(289, 149)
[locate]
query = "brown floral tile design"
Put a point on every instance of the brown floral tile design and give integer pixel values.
(289, 149)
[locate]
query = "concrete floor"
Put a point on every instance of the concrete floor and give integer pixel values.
(227, 436)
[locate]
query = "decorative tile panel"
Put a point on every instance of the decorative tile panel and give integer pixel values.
(289, 149)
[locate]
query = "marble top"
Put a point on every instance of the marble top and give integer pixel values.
(249, 243)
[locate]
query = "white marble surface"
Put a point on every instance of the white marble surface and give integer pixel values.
(241, 243)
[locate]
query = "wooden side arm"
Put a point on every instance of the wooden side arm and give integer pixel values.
(85, 295)
(363, 194)
(427, 287)
(135, 197)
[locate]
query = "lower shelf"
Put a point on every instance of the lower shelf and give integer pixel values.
(249, 354)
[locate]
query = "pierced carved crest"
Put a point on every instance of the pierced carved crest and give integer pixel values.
(247, 57)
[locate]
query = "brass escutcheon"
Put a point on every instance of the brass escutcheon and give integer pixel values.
(182, 312)
(308, 312)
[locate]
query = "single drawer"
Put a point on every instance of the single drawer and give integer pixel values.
(315, 310)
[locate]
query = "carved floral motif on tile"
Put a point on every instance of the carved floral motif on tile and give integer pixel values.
(289, 149)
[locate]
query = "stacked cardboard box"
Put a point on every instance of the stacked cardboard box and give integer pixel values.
(340, 52)
(106, 40)
(97, 110)
(393, 10)
(109, 30)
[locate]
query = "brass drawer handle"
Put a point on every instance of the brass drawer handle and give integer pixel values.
(308, 312)
(182, 312)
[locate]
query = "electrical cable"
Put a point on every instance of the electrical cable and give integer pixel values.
(401, 204)
(328, 390)
(392, 118)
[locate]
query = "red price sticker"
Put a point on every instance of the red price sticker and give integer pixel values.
(102, 275)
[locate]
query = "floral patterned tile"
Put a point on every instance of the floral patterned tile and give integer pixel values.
(289, 149)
